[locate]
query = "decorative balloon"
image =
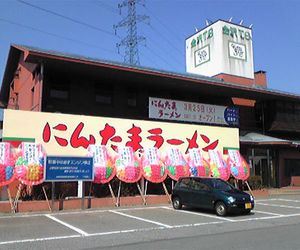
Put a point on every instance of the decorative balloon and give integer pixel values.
(7, 164)
(152, 166)
(30, 163)
(218, 166)
(176, 164)
(104, 170)
(198, 165)
(128, 167)
(238, 166)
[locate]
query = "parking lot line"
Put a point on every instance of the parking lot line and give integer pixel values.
(259, 218)
(258, 200)
(277, 205)
(11, 216)
(126, 231)
(198, 224)
(74, 212)
(40, 239)
(78, 230)
(141, 219)
(263, 212)
(200, 214)
(288, 200)
(136, 208)
(159, 227)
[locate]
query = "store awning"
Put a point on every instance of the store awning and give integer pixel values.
(260, 139)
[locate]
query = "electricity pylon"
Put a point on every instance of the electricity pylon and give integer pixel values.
(132, 40)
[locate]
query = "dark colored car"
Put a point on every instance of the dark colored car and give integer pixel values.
(211, 193)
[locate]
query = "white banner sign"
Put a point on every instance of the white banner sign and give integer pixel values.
(4, 152)
(31, 152)
(195, 155)
(193, 112)
(126, 155)
(175, 156)
(98, 153)
(151, 154)
(235, 156)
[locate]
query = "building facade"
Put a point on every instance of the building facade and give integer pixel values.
(38, 80)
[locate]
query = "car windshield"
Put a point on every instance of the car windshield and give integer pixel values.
(221, 185)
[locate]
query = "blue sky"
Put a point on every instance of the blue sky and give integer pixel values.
(85, 27)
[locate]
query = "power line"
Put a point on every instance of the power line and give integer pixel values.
(155, 42)
(55, 35)
(81, 42)
(162, 35)
(151, 60)
(67, 18)
(166, 39)
(166, 62)
(165, 26)
(107, 7)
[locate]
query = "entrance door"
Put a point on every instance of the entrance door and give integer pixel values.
(262, 166)
(265, 172)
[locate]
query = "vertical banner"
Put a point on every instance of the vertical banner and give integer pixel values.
(176, 164)
(198, 165)
(104, 170)
(218, 166)
(152, 165)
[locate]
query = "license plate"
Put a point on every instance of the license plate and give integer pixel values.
(248, 205)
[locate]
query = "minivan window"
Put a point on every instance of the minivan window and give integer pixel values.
(198, 185)
(221, 185)
(184, 183)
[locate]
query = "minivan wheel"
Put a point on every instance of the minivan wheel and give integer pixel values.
(221, 209)
(176, 203)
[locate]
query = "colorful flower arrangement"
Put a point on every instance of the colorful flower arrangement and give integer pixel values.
(218, 166)
(104, 169)
(7, 164)
(239, 168)
(153, 167)
(176, 164)
(128, 168)
(30, 163)
(198, 165)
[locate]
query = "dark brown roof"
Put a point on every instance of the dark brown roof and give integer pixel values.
(200, 83)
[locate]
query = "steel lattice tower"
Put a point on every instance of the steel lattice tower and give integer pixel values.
(132, 40)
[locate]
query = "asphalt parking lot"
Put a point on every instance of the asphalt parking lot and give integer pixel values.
(95, 229)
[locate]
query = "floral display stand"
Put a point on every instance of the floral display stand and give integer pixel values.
(239, 167)
(128, 170)
(29, 167)
(7, 170)
(104, 169)
(218, 165)
(153, 169)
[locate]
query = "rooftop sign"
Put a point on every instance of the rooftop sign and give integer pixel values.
(221, 48)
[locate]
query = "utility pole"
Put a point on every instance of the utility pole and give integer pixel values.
(132, 40)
